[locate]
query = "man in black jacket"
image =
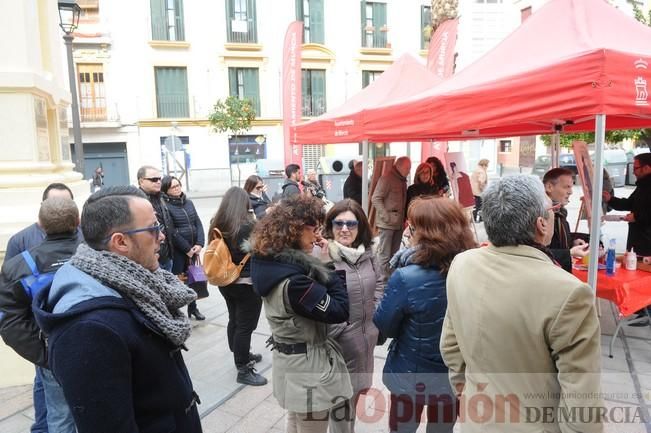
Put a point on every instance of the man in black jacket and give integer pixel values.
(290, 187)
(149, 181)
(353, 183)
(59, 219)
(565, 245)
(639, 205)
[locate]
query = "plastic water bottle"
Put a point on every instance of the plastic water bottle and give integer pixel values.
(610, 257)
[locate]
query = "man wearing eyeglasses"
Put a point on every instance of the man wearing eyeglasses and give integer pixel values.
(114, 323)
(639, 206)
(149, 181)
(565, 244)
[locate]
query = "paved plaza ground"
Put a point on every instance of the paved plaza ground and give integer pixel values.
(230, 407)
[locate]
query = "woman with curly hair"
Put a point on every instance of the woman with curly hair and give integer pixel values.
(301, 297)
(412, 312)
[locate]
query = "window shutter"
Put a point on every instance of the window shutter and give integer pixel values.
(306, 92)
(318, 92)
(252, 88)
(158, 20)
(300, 15)
(172, 92)
(178, 16)
(229, 17)
(252, 18)
(232, 81)
(363, 25)
(379, 20)
(317, 28)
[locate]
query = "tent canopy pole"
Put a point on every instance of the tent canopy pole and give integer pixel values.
(365, 176)
(597, 187)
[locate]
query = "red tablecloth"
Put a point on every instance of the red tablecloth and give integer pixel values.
(629, 290)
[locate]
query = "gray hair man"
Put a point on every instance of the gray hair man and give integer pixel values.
(114, 323)
(522, 325)
(58, 217)
(389, 200)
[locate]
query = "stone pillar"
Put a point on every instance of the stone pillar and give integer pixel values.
(34, 140)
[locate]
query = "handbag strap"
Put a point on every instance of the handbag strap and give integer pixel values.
(245, 259)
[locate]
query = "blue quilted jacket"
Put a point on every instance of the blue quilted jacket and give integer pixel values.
(412, 312)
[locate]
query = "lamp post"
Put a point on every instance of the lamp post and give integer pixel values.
(69, 12)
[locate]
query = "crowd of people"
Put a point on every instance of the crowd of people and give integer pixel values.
(95, 300)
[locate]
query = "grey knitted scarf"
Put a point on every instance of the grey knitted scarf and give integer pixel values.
(159, 295)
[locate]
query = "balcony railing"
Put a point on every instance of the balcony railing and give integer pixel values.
(243, 31)
(175, 105)
(313, 105)
(374, 38)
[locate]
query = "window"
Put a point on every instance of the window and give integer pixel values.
(505, 146)
(311, 13)
(241, 21)
(245, 84)
(167, 20)
(314, 92)
(425, 26)
(374, 24)
(172, 92)
(89, 11)
(369, 76)
(92, 96)
(247, 148)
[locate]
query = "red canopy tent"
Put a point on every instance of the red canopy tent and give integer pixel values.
(574, 65)
(404, 78)
(569, 61)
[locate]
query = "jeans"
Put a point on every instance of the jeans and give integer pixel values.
(59, 417)
(40, 411)
(167, 265)
(244, 306)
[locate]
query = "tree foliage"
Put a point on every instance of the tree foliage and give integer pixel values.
(232, 115)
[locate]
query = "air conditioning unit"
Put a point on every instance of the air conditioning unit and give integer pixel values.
(336, 164)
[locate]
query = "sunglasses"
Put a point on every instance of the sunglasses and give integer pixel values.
(339, 224)
(155, 229)
(153, 179)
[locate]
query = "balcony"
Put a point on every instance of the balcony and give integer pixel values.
(313, 105)
(242, 31)
(172, 105)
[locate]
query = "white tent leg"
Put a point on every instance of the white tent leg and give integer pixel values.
(365, 176)
(597, 186)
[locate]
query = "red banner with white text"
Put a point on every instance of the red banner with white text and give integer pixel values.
(440, 61)
(292, 106)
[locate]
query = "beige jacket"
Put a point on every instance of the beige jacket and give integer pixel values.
(519, 329)
(478, 180)
(389, 200)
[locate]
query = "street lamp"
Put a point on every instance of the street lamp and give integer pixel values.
(69, 12)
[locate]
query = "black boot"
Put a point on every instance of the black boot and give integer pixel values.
(255, 357)
(247, 376)
(196, 313)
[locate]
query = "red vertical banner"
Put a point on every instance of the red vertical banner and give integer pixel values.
(292, 98)
(440, 60)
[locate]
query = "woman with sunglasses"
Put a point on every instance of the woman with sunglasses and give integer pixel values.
(187, 236)
(349, 248)
(235, 220)
(257, 190)
(301, 297)
(412, 312)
